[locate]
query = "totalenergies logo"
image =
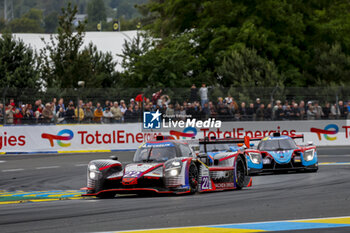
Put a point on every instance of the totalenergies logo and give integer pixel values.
(330, 129)
(63, 135)
(188, 132)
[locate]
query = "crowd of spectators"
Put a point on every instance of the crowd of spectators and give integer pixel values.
(197, 106)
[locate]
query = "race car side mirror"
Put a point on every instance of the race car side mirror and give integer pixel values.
(114, 157)
(310, 143)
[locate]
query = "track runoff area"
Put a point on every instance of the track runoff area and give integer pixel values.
(40, 193)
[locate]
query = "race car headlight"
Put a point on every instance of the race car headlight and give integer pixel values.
(255, 158)
(173, 168)
(309, 155)
(92, 167)
(173, 164)
(93, 175)
(174, 172)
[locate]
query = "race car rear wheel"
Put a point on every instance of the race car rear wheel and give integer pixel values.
(240, 173)
(193, 178)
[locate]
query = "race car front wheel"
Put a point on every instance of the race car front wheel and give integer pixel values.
(193, 178)
(240, 173)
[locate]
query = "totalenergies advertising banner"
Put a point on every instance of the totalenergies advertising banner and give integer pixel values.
(113, 137)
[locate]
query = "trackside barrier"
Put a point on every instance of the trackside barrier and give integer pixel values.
(119, 137)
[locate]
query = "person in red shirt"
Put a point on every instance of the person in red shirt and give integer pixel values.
(139, 99)
(17, 117)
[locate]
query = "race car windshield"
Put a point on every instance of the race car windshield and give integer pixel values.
(215, 147)
(281, 144)
(154, 154)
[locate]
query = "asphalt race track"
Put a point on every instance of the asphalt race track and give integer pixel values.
(271, 198)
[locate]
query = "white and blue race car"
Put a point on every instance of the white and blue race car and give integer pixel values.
(281, 153)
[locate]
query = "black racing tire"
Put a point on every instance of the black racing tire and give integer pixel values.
(193, 178)
(240, 171)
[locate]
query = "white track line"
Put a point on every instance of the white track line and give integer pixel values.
(2, 161)
(81, 165)
(13, 170)
(50, 167)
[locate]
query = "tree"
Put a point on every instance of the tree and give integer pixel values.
(243, 67)
(147, 64)
(51, 22)
(96, 13)
(285, 32)
(64, 62)
(31, 22)
(17, 64)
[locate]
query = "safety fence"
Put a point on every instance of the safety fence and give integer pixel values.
(120, 105)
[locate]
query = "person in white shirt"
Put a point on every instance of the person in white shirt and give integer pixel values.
(107, 116)
(203, 93)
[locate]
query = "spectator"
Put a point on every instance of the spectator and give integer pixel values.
(88, 114)
(327, 111)
(342, 109)
(70, 114)
(106, 105)
(206, 110)
(38, 115)
(117, 113)
(190, 111)
(223, 112)
(17, 117)
(98, 114)
(250, 112)
(60, 105)
(268, 112)
(286, 104)
(107, 116)
(170, 111)
(318, 111)
(123, 108)
(28, 117)
(9, 114)
(182, 113)
(335, 111)
(243, 112)
(279, 113)
(79, 117)
(156, 97)
(140, 98)
(137, 114)
(193, 93)
(311, 114)
(128, 115)
(260, 112)
(47, 114)
(257, 104)
(295, 111)
(278, 102)
(288, 113)
(1, 112)
(61, 115)
(302, 110)
(165, 99)
(203, 93)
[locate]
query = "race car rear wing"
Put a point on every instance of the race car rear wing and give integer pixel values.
(246, 140)
(207, 141)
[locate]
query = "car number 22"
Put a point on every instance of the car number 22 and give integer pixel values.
(131, 174)
(205, 182)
